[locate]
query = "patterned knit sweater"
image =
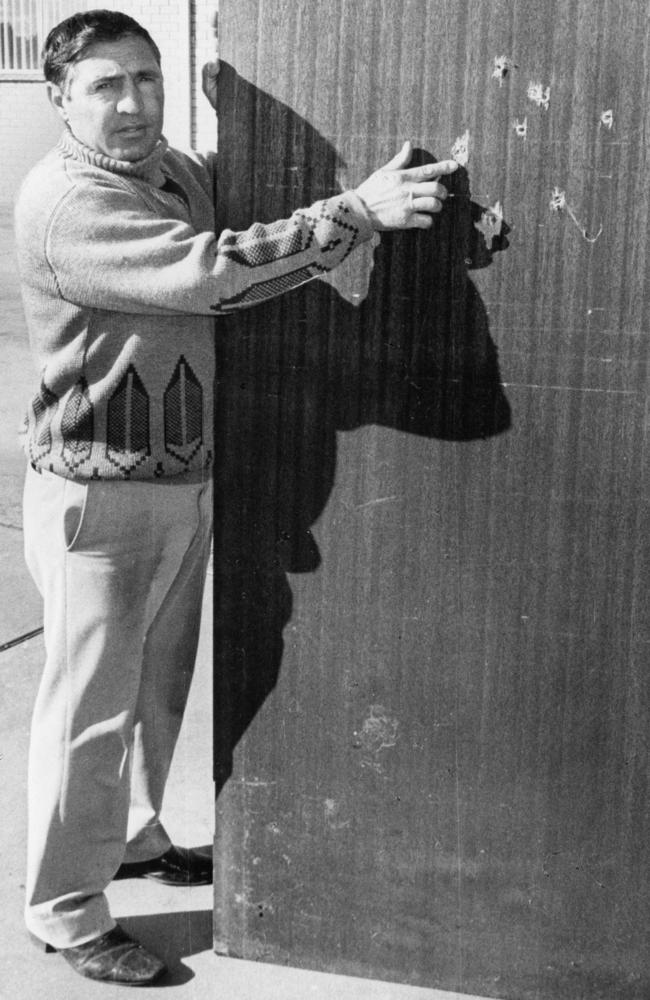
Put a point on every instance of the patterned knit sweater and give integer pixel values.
(122, 276)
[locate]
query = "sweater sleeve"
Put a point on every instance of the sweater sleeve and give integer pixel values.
(106, 250)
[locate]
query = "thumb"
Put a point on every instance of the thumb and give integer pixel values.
(402, 159)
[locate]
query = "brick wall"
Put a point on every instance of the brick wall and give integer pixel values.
(204, 49)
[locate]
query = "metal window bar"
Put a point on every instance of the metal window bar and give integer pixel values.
(14, 36)
(4, 52)
(25, 56)
(24, 25)
(33, 37)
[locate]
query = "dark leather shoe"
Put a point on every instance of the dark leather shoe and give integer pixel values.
(177, 866)
(114, 958)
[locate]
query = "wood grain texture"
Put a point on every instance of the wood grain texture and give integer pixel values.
(433, 498)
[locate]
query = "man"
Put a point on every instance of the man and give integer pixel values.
(122, 276)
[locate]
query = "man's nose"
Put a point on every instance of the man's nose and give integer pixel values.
(130, 100)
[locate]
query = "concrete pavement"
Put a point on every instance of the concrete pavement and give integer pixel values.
(176, 923)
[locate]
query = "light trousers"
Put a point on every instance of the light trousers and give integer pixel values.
(121, 567)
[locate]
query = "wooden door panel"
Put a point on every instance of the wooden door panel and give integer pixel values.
(431, 694)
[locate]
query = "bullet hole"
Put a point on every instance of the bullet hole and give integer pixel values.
(502, 66)
(460, 149)
(538, 95)
(491, 223)
(521, 128)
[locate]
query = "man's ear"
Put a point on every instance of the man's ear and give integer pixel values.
(55, 97)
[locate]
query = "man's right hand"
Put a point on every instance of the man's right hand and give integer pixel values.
(401, 198)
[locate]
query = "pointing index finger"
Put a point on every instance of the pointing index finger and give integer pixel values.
(429, 170)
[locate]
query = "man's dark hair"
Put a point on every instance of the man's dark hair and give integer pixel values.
(69, 40)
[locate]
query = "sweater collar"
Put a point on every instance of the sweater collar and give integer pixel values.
(147, 169)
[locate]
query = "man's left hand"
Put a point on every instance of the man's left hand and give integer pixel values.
(209, 75)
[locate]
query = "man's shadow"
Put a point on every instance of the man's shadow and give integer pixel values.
(406, 346)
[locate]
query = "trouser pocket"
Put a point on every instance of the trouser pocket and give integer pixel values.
(75, 503)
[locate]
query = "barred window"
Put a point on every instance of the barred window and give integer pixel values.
(24, 26)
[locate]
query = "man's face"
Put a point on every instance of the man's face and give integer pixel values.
(113, 98)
